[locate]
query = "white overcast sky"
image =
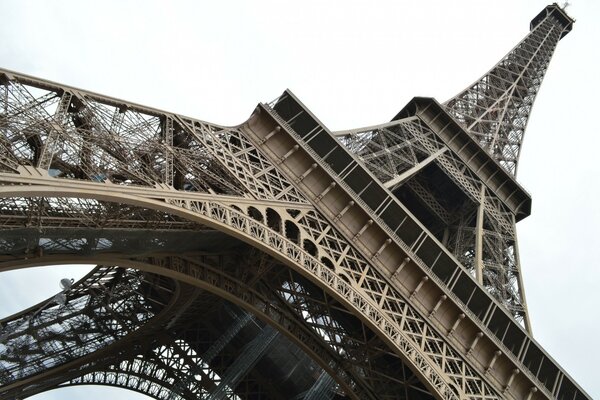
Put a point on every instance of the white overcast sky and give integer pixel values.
(353, 63)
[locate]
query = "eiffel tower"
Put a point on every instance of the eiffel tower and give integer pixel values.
(276, 259)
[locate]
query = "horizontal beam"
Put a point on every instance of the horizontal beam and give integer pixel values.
(54, 186)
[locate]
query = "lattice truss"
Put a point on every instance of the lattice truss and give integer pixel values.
(38, 225)
(75, 136)
(495, 109)
(352, 267)
(320, 239)
(185, 358)
(102, 309)
(284, 221)
(397, 153)
(191, 358)
(190, 187)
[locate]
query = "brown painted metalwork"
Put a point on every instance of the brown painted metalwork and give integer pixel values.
(275, 259)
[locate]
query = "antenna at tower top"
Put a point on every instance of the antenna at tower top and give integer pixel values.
(565, 5)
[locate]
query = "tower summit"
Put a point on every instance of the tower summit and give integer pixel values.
(495, 109)
(276, 259)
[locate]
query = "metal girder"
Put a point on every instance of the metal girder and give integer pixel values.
(321, 250)
(293, 293)
(99, 312)
(336, 180)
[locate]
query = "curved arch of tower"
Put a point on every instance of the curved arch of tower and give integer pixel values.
(275, 259)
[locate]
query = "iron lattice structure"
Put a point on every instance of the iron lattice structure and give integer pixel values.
(275, 259)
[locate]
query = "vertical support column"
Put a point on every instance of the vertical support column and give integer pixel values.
(322, 388)
(208, 356)
(117, 119)
(226, 337)
(5, 145)
(4, 88)
(252, 352)
(85, 126)
(168, 133)
(526, 319)
(479, 237)
(56, 127)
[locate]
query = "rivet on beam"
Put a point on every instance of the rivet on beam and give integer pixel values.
(461, 316)
(515, 372)
(400, 267)
(270, 134)
(383, 246)
(362, 230)
(289, 153)
(344, 210)
(437, 305)
(497, 354)
(305, 174)
(421, 283)
(532, 391)
(472, 347)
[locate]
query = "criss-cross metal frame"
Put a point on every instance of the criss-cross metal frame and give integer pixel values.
(275, 259)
